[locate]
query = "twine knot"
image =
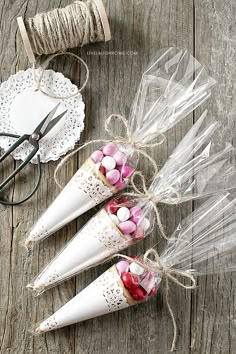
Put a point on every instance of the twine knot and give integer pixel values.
(130, 138)
(145, 194)
(138, 144)
(152, 262)
(153, 197)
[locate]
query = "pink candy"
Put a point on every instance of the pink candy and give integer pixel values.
(126, 171)
(97, 156)
(122, 266)
(127, 227)
(120, 158)
(128, 218)
(136, 214)
(113, 165)
(113, 176)
(120, 185)
(139, 234)
(110, 149)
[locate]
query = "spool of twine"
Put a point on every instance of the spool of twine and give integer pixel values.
(73, 26)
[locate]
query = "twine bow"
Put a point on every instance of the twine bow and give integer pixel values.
(152, 197)
(152, 262)
(129, 139)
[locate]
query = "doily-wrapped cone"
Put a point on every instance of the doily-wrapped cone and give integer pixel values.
(87, 188)
(106, 294)
(197, 168)
(102, 236)
(203, 243)
(172, 86)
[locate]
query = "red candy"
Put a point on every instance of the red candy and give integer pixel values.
(125, 202)
(112, 207)
(130, 281)
(138, 294)
(102, 170)
(136, 257)
(153, 291)
(122, 200)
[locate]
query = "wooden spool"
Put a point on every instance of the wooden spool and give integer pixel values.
(26, 40)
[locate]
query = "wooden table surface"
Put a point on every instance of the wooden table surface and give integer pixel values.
(205, 317)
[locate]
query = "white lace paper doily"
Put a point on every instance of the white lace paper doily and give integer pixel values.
(22, 108)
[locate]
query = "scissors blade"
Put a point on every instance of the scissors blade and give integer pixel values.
(48, 119)
(53, 123)
(44, 123)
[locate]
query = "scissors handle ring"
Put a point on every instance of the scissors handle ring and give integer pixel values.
(7, 202)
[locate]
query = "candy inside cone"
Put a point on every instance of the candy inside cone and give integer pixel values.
(108, 293)
(76, 198)
(97, 180)
(96, 241)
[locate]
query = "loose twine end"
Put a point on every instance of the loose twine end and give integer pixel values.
(38, 79)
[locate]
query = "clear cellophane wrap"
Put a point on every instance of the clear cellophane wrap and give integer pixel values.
(203, 243)
(120, 223)
(200, 165)
(197, 168)
(171, 87)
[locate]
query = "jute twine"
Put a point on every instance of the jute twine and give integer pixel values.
(146, 194)
(62, 28)
(38, 78)
(152, 262)
(128, 140)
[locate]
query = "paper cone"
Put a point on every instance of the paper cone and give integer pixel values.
(106, 294)
(87, 188)
(96, 241)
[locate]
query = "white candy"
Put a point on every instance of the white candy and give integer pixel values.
(98, 164)
(146, 224)
(123, 214)
(109, 163)
(114, 218)
(136, 269)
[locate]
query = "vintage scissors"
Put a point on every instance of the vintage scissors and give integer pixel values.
(33, 139)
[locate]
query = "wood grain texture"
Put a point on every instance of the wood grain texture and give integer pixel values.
(213, 328)
(206, 318)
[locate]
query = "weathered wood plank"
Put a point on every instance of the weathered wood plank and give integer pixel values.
(144, 28)
(212, 323)
(111, 76)
(19, 309)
